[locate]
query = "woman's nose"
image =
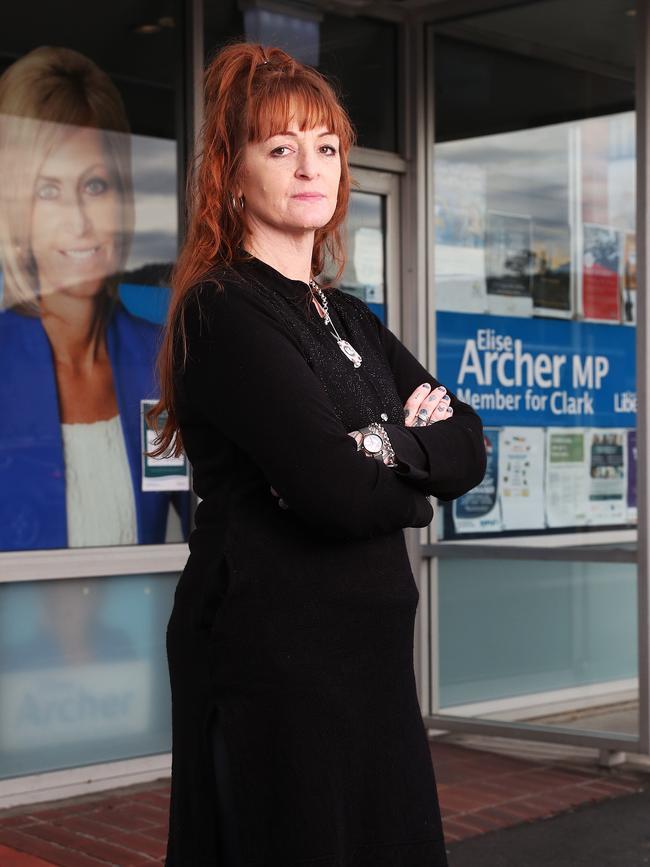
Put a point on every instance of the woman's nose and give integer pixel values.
(307, 164)
(76, 217)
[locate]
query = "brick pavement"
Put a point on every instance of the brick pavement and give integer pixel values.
(479, 791)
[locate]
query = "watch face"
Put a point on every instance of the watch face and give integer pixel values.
(372, 443)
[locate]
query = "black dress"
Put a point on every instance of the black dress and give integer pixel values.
(294, 627)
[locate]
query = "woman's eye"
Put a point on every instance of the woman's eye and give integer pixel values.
(276, 151)
(96, 186)
(47, 191)
(329, 149)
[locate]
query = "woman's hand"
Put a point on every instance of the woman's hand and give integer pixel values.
(426, 407)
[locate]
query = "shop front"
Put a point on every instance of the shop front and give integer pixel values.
(498, 226)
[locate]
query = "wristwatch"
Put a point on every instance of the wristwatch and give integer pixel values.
(376, 443)
(372, 443)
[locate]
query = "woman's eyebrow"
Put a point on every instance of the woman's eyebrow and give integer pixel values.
(57, 179)
(295, 134)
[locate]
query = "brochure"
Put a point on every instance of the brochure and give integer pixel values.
(521, 478)
(479, 510)
(566, 477)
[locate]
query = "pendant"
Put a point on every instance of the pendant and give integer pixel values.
(350, 352)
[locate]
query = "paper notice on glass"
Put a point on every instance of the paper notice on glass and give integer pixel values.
(508, 256)
(459, 253)
(607, 480)
(566, 477)
(632, 512)
(479, 511)
(629, 278)
(521, 478)
(601, 257)
(551, 269)
(166, 473)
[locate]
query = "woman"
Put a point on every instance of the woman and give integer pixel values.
(75, 363)
(297, 735)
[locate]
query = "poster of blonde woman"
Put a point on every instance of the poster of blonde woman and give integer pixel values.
(76, 361)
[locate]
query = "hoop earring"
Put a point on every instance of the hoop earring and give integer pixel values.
(235, 201)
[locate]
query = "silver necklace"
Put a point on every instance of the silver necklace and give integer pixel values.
(346, 348)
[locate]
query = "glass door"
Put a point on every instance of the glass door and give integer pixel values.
(534, 249)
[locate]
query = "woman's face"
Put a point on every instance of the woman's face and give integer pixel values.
(75, 217)
(291, 181)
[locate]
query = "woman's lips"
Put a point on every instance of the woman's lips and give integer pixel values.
(308, 197)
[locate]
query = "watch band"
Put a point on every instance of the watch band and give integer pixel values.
(387, 449)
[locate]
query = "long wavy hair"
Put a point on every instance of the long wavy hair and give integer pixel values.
(251, 94)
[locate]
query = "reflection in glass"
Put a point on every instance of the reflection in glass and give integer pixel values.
(78, 357)
(359, 54)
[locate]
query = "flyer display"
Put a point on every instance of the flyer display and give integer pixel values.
(550, 479)
(521, 478)
(559, 401)
(479, 511)
(607, 476)
(566, 478)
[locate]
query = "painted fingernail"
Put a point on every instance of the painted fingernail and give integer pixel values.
(422, 413)
(407, 412)
(450, 411)
(441, 388)
(445, 399)
(426, 385)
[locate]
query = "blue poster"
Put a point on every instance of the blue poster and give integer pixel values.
(478, 511)
(540, 372)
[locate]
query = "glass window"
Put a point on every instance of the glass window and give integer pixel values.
(358, 54)
(88, 232)
(83, 674)
(534, 168)
(551, 642)
(535, 272)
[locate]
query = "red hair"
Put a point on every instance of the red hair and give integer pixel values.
(251, 93)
